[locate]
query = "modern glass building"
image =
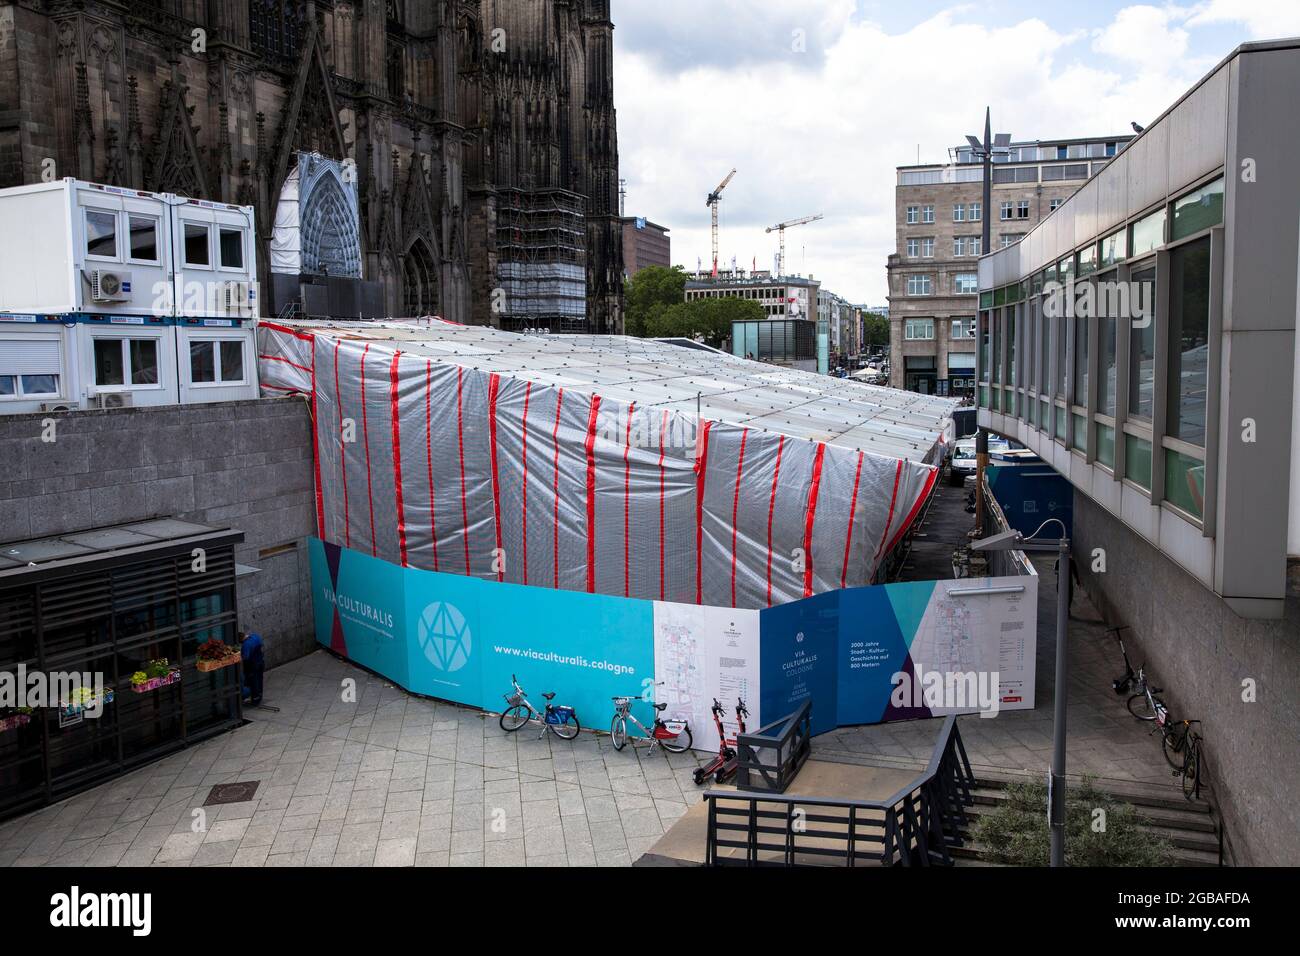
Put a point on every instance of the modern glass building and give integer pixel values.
(1142, 339)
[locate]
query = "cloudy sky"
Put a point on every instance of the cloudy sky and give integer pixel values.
(815, 102)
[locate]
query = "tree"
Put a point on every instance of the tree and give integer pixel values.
(650, 291)
(709, 319)
(875, 329)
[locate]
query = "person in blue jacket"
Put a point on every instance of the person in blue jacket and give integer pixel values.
(252, 651)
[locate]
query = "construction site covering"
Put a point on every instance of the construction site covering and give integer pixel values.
(607, 464)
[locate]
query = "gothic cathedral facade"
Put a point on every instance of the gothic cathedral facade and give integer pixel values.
(459, 117)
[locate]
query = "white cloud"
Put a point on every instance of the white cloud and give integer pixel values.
(827, 137)
(1264, 19)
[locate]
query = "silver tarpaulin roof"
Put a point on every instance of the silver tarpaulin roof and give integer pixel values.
(614, 465)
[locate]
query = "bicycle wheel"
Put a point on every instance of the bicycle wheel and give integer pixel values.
(568, 728)
(679, 744)
(1174, 744)
(1192, 770)
(512, 718)
(618, 733)
(1139, 705)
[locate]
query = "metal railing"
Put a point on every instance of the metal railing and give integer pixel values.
(786, 742)
(914, 827)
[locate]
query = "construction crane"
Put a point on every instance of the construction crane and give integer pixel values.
(712, 203)
(780, 229)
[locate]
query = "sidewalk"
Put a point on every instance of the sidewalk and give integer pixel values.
(391, 780)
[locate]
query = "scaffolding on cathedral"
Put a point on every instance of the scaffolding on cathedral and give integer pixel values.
(542, 265)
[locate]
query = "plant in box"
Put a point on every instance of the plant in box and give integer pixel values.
(214, 655)
(158, 672)
(83, 699)
(12, 719)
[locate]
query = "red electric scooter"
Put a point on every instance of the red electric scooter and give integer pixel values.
(728, 770)
(725, 754)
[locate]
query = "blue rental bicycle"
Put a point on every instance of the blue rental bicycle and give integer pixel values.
(556, 719)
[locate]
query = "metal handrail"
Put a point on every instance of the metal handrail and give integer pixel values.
(790, 737)
(917, 823)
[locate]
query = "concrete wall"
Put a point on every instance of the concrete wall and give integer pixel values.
(1200, 652)
(246, 465)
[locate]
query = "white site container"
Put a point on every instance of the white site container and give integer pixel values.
(113, 297)
(71, 246)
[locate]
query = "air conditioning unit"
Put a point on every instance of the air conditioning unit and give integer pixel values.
(236, 296)
(56, 407)
(108, 286)
(112, 400)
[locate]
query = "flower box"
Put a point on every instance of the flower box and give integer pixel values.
(153, 683)
(217, 663)
(14, 721)
(75, 708)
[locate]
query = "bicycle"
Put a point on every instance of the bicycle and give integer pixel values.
(661, 733)
(1186, 746)
(1145, 705)
(556, 719)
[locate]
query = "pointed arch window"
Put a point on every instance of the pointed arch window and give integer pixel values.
(419, 281)
(273, 28)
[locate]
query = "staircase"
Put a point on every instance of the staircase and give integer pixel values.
(1192, 829)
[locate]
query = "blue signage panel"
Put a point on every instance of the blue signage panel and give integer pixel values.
(799, 644)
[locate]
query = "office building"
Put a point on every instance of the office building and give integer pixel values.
(939, 222)
(788, 335)
(645, 243)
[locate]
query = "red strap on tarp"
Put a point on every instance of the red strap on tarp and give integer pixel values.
(889, 520)
(460, 440)
(916, 506)
(343, 453)
(315, 450)
(627, 505)
(853, 509)
(663, 434)
(810, 516)
(701, 465)
(365, 432)
(528, 391)
(735, 511)
(428, 451)
(305, 336)
(591, 493)
(397, 460)
(555, 438)
(771, 510)
(494, 387)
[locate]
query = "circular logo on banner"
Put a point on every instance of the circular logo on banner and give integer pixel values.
(445, 636)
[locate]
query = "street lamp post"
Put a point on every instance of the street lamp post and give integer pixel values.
(985, 150)
(1015, 541)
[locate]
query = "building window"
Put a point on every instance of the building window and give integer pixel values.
(1022, 209)
(919, 285)
(1189, 327)
(1053, 204)
(217, 362)
(1106, 376)
(101, 234)
(927, 248)
(1146, 234)
(963, 328)
(913, 215)
(1010, 238)
(965, 283)
(232, 248)
(959, 246)
(915, 329)
(196, 245)
(28, 386)
(126, 362)
(927, 214)
(1080, 361)
(273, 28)
(1005, 210)
(975, 212)
(913, 248)
(959, 212)
(1142, 348)
(1198, 210)
(144, 238)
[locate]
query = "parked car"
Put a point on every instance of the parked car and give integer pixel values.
(962, 462)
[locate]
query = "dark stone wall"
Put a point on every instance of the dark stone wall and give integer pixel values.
(245, 465)
(1200, 652)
